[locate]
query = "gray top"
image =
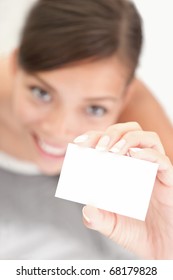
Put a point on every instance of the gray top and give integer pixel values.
(34, 224)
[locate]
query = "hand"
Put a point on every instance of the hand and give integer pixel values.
(152, 239)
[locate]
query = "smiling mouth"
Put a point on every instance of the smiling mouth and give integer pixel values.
(50, 150)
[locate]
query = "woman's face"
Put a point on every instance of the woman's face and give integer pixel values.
(54, 107)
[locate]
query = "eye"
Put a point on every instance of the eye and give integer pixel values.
(97, 111)
(41, 94)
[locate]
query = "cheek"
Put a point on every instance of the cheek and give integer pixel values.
(25, 112)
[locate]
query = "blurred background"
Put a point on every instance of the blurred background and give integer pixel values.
(156, 62)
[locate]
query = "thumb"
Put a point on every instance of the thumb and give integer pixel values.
(125, 231)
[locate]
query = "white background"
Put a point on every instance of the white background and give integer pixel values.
(157, 57)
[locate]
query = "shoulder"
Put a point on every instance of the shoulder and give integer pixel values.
(143, 107)
(139, 99)
(137, 90)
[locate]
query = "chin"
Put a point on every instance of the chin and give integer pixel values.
(50, 170)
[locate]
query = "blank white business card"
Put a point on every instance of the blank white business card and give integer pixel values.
(116, 183)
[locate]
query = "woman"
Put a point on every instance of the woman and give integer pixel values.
(71, 74)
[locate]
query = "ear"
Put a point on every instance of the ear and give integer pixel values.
(13, 61)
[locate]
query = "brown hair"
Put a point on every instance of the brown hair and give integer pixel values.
(61, 32)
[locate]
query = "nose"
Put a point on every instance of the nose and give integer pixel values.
(61, 124)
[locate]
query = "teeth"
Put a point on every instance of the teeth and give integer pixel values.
(50, 149)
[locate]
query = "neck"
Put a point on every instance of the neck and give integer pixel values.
(5, 75)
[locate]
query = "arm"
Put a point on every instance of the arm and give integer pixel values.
(145, 109)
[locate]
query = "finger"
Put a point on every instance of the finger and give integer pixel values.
(141, 139)
(114, 133)
(165, 170)
(89, 139)
(95, 218)
(104, 140)
(124, 231)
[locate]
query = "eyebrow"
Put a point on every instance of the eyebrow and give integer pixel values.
(92, 99)
(47, 85)
(103, 98)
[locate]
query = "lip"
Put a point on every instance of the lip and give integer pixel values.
(46, 154)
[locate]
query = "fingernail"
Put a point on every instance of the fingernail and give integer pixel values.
(103, 143)
(118, 146)
(87, 219)
(92, 216)
(81, 138)
(132, 151)
(135, 150)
